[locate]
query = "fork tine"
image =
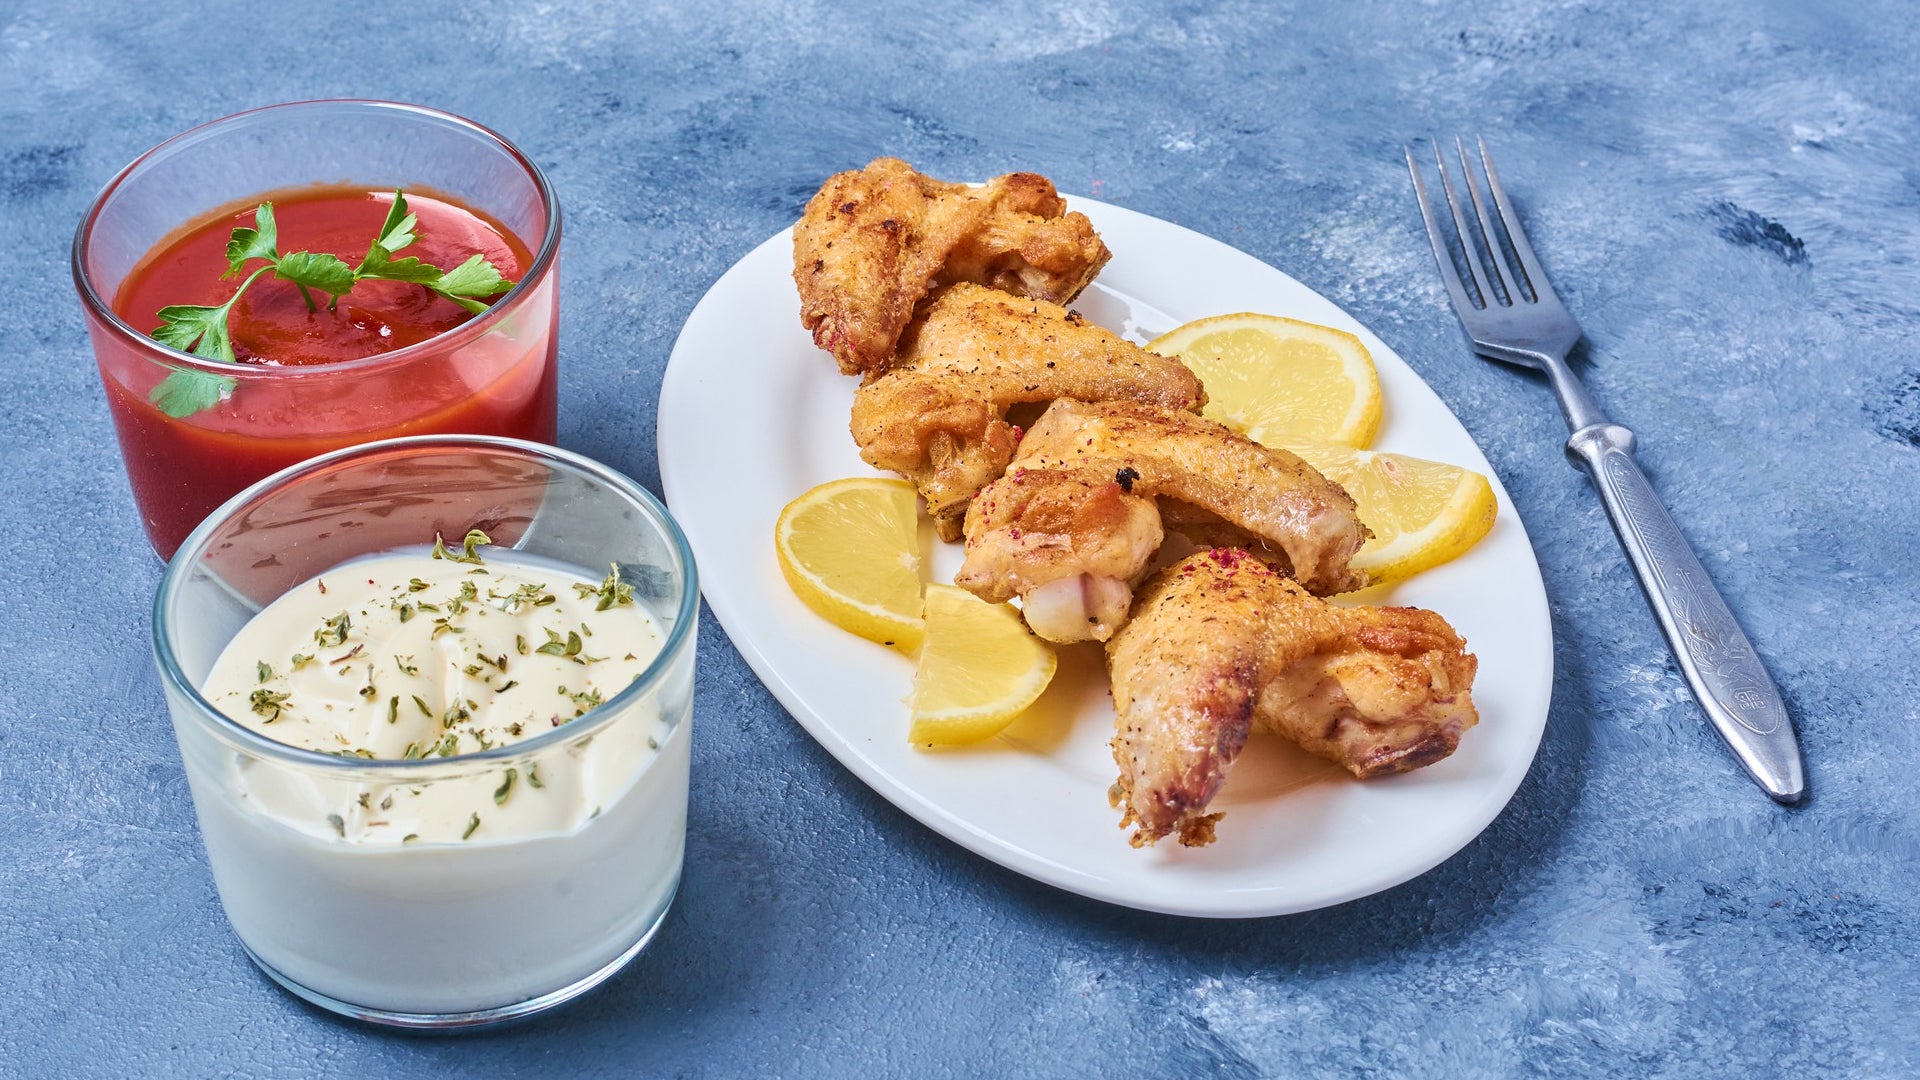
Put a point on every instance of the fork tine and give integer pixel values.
(1497, 263)
(1462, 303)
(1488, 297)
(1536, 277)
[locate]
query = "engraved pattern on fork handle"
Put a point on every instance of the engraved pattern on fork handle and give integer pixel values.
(1732, 686)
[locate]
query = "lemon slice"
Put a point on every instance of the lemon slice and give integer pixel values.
(850, 550)
(979, 670)
(1280, 379)
(1422, 513)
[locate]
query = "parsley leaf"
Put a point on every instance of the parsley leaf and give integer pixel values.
(379, 266)
(470, 282)
(397, 231)
(318, 270)
(259, 242)
(201, 331)
(183, 393)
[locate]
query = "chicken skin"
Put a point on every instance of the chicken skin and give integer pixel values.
(1221, 646)
(875, 241)
(1121, 463)
(939, 417)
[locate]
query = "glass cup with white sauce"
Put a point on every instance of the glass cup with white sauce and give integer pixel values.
(461, 797)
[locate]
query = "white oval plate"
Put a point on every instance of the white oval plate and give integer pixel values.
(752, 414)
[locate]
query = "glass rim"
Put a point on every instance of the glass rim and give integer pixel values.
(543, 258)
(241, 737)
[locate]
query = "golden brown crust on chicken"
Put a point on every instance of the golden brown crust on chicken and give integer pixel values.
(1221, 484)
(1041, 525)
(1270, 493)
(939, 417)
(873, 242)
(1221, 646)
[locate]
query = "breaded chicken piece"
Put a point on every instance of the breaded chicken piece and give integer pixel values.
(1072, 583)
(875, 241)
(939, 417)
(1221, 646)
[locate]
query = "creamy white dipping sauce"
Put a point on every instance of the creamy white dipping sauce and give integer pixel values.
(477, 885)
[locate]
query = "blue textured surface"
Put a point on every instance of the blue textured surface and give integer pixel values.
(1726, 195)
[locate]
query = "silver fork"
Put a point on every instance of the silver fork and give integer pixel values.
(1518, 320)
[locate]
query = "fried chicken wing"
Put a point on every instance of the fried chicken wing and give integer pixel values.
(1073, 586)
(1221, 646)
(873, 242)
(939, 417)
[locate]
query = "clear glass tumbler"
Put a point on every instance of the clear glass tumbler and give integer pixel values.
(496, 374)
(436, 934)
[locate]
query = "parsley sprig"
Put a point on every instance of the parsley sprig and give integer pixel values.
(204, 330)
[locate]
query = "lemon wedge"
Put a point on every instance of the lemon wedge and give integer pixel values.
(979, 670)
(850, 550)
(1279, 379)
(1422, 513)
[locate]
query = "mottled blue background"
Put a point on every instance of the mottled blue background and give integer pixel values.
(1726, 195)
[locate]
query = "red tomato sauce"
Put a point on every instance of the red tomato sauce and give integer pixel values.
(503, 383)
(272, 324)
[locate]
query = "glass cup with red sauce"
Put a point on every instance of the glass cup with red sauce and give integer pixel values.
(390, 358)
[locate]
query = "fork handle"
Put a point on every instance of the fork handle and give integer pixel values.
(1714, 654)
